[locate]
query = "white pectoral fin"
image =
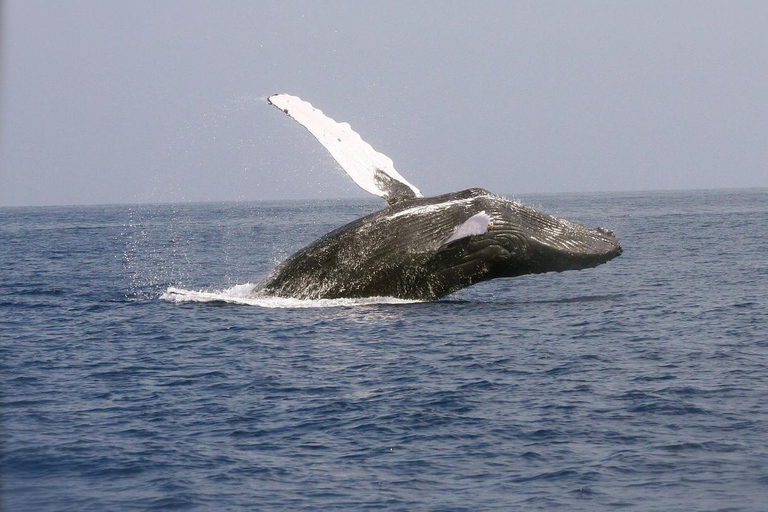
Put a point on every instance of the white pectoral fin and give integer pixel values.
(371, 170)
(477, 224)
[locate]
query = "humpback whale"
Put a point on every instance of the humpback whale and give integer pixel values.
(423, 248)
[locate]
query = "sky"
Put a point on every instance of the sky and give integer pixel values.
(164, 101)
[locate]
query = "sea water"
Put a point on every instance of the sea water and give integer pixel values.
(140, 373)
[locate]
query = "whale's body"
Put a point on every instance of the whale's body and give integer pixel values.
(424, 248)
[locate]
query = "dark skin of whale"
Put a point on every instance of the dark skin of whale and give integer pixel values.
(401, 251)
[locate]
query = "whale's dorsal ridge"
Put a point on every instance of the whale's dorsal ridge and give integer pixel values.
(374, 172)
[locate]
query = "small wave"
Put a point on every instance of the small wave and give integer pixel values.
(246, 294)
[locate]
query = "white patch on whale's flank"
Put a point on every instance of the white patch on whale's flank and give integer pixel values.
(430, 208)
(355, 156)
(475, 225)
(246, 295)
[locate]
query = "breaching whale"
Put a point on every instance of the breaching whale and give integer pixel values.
(423, 248)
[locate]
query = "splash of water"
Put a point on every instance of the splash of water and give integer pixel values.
(246, 294)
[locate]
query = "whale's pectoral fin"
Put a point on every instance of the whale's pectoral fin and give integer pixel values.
(371, 170)
(394, 190)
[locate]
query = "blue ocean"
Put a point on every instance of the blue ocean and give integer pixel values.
(139, 373)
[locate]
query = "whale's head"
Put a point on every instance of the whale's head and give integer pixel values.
(535, 242)
(503, 238)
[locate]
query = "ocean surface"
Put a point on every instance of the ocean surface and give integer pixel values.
(639, 385)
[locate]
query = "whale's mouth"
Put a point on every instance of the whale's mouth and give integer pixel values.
(578, 242)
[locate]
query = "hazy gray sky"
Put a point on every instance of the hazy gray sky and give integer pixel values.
(120, 102)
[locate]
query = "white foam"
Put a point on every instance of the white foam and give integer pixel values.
(246, 295)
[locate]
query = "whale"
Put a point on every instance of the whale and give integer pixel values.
(423, 248)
